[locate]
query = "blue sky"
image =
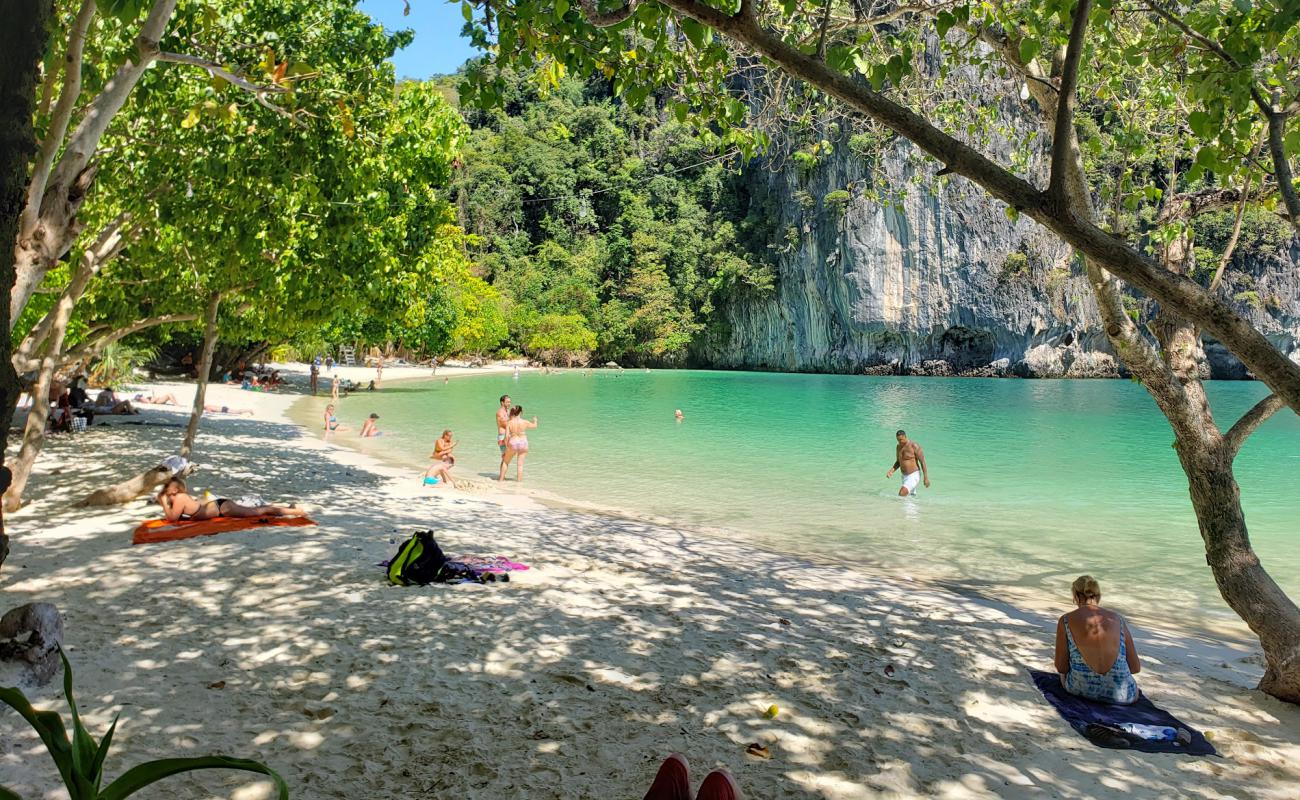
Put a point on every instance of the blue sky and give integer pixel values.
(438, 48)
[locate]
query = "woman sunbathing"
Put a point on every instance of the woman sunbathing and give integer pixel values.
(1095, 653)
(179, 505)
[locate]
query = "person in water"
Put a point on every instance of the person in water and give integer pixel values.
(678, 415)
(368, 428)
(177, 504)
(503, 417)
(1095, 653)
(910, 458)
(516, 442)
(442, 448)
(332, 423)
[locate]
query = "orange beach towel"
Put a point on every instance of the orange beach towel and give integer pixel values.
(160, 530)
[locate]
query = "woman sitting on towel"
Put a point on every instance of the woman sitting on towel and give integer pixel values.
(179, 505)
(1095, 653)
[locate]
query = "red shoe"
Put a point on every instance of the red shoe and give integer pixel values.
(673, 781)
(719, 785)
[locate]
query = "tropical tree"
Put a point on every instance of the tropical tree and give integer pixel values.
(1228, 72)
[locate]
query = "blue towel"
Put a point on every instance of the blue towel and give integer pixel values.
(1080, 713)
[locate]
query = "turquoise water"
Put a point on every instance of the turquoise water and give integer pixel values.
(1034, 482)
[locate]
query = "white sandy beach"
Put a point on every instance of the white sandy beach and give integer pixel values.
(626, 641)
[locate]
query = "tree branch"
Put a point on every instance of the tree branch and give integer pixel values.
(58, 128)
(1182, 295)
(1282, 167)
(1172, 17)
(90, 348)
(1063, 139)
(1252, 419)
(1236, 234)
(607, 18)
(218, 71)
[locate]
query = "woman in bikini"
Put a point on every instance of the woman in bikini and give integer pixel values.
(1095, 653)
(332, 421)
(516, 442)
(179, 505)
(442, 447)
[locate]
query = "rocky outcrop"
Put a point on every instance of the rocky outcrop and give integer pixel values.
(939, 281)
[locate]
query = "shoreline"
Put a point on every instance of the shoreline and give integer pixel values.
(1224, 637)
(627, 640)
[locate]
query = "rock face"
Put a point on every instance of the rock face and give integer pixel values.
(940, 283)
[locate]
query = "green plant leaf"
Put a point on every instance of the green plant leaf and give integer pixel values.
(97, 767)
(83, 747)
(8, 794)
(1029, 48)
(694, 31)
(142, 775)
(49, 727)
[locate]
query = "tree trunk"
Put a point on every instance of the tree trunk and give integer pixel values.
(1242, 581)
(34, 431)
(205, 369)
(23, 37)
(128, 490)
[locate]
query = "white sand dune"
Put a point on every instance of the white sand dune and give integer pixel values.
(625, 642)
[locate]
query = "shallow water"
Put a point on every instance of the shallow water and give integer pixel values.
(1034, 482)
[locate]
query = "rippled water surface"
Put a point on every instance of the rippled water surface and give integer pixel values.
(1033, 481)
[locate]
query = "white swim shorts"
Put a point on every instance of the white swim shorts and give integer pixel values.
(911, 480)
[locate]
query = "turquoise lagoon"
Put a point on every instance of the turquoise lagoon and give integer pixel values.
(1034, 482)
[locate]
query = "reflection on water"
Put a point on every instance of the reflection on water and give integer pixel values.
(1034, 482)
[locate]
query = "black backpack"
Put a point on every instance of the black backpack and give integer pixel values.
(419, 560)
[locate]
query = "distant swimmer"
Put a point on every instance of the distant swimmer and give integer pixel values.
(369, 428)
(678, 414)
(910, 458)
(503, 417)
(516, 442)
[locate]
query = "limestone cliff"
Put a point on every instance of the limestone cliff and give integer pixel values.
(939, 282)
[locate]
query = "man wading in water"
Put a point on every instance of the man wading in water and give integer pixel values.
(907, 458)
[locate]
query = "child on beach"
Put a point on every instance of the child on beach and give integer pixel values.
(368, 428)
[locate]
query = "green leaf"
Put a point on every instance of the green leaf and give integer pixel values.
(679, 111)
(83, 747)
(49, 727)
(122, 10)
(840, 58)
(694, 31)
(1029, 49)
(97, 767)
(7, 794)
(944, 22)
(561, 8)
(1199, 121)
(467, 11)
(138, 777)
(1207, 157)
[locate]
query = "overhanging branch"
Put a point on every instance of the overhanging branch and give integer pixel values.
(604, 19)
(1249, 422)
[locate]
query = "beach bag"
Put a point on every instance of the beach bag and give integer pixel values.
(418, 561)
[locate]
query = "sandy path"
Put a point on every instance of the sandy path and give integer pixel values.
(625, 642)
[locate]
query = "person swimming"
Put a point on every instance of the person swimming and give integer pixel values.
(678, 414)
(178, 505)
(516, 442)
(1095, 653)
